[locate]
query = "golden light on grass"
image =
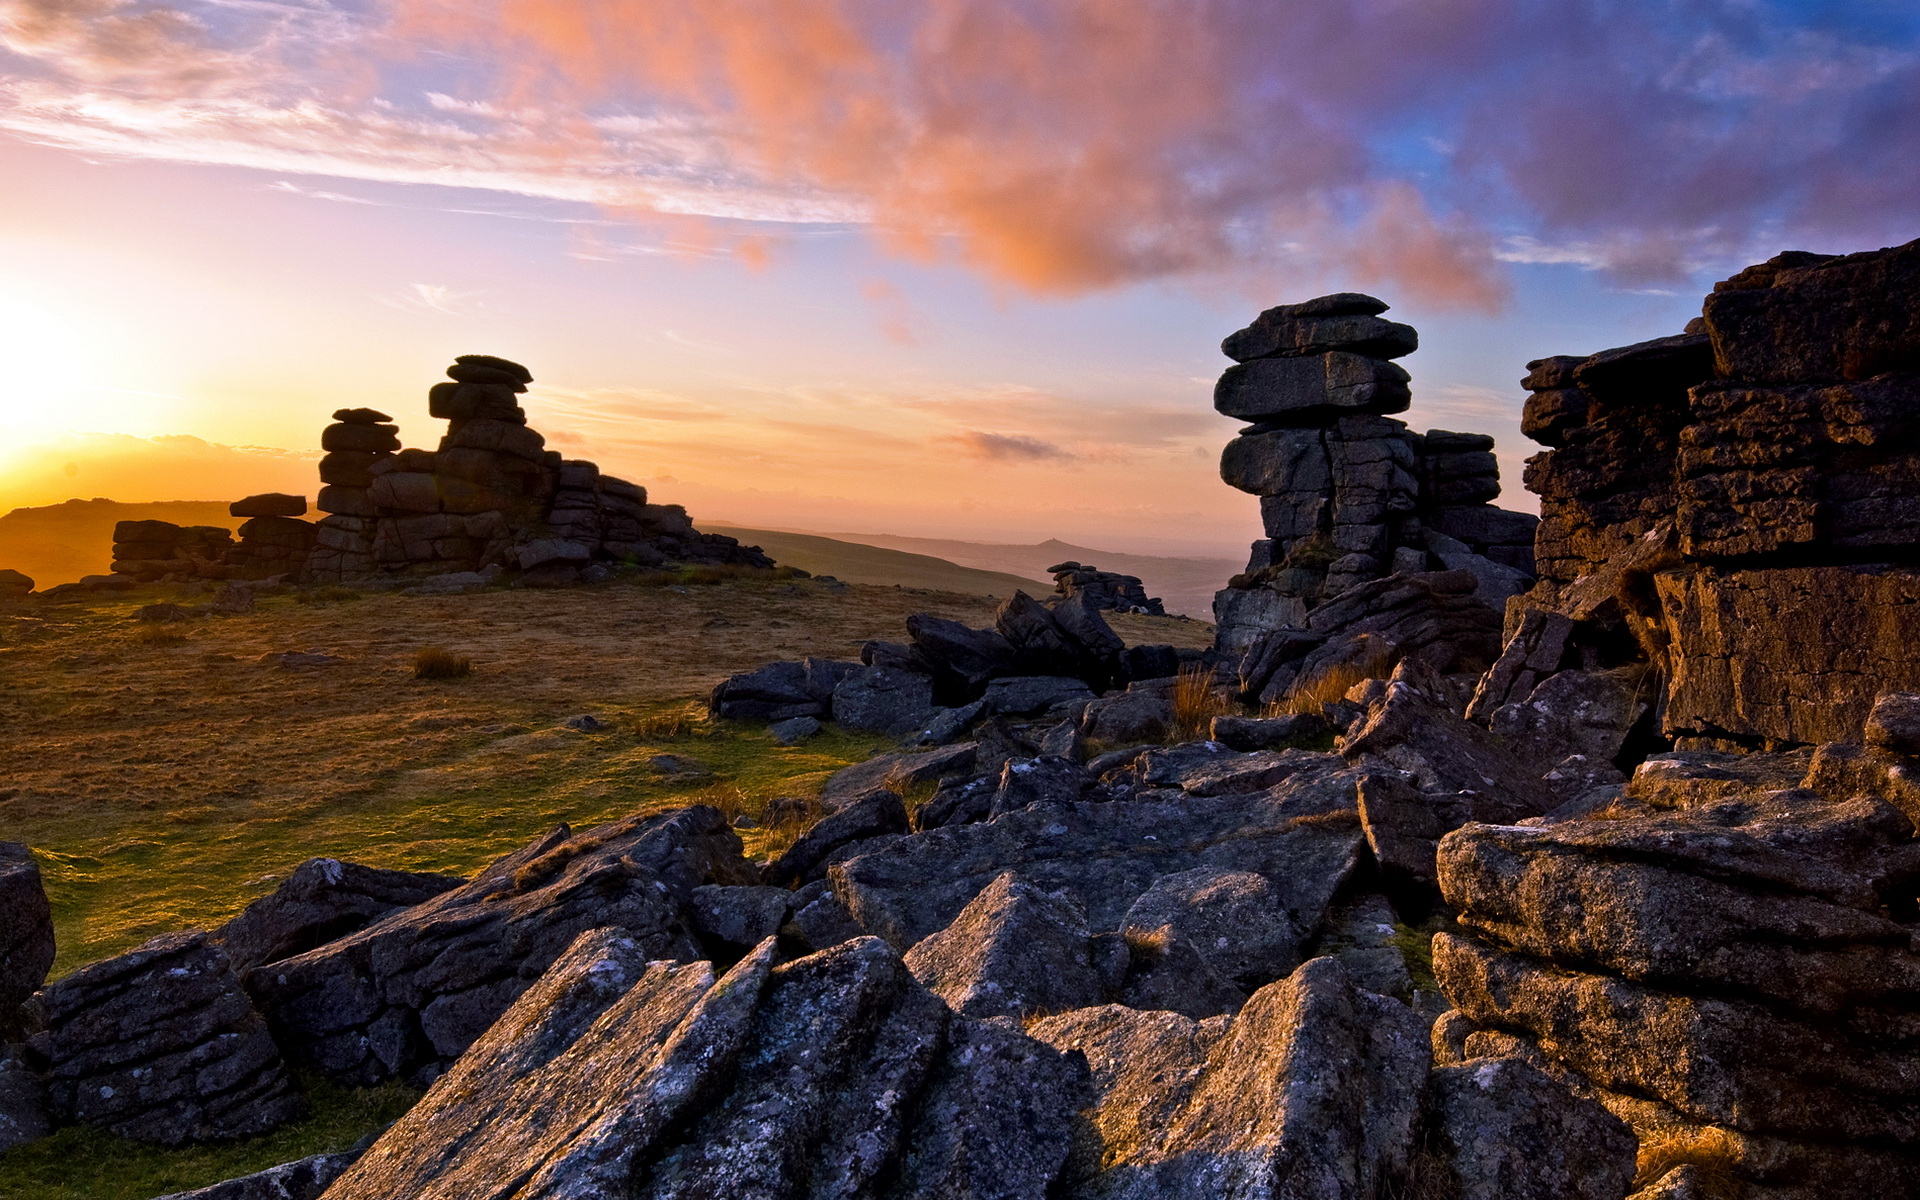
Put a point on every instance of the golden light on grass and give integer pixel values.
(438, 662)
(157, 634)
(1711, 1152)
(1196, 702)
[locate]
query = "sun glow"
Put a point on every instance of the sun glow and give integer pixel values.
(57, 378)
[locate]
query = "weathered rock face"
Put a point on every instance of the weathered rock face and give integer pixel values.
(1504, 1130)
(1312, 1090)
(1349, 495)
(26, 931)
(414, 989)
(322, 900)
(23, 1101)
(1749, 495)
(1013, 950)
(835, 1075)
(1731, 948)
(1279, 847)
(161, 1045)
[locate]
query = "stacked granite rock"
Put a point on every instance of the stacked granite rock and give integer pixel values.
(491, 495)
(1107, 590)
(1739, 506)
(1348, 495)
(273, 539)
(160, 551)
(359, 440)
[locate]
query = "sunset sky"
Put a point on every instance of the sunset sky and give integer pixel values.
(945, 267)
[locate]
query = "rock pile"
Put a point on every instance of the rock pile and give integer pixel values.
(1107, 590)
(1348, 495)
(491, 496)
(162, 552)
(948, 678)
(1738, 507)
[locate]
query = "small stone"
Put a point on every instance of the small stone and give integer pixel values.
(586, 723)
(794, 730)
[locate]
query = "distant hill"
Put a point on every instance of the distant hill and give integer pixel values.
(865, 563)
(1185, 585)
(59, 543)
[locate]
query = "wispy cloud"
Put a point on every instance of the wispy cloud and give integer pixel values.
(1009, 447)
(436, 298)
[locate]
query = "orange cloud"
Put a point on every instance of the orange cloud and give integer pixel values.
(1063, 146)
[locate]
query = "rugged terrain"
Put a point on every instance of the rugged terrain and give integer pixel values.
(1466, 860)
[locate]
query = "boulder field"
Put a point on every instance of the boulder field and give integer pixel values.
(1433, 878)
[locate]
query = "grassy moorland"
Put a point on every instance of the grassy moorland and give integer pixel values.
(167, 773)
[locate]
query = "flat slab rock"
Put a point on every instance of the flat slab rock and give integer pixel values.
(161, 1045)
(833, 1075)
(414, 989)
(1313, 1090)
(1302, 835)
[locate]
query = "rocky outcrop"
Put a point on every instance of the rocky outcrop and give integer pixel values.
(273, 540)
(1730, 949)
(1350, 497)
(1104, 589)
(160, 551)
(410, 992)
(833, 1075)
(1738, 507)
(491, 495)
(160, 1045)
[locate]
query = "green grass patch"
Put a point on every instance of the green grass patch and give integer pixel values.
(79, 1163)
(1415, 944)
(115, 881)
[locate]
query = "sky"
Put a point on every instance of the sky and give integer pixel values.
(952, 267)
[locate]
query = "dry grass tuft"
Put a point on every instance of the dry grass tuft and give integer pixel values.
(1312, 694)
(1709, 1151)
(438, 662)
(1196, 702)
(671, 724)
(157, 635)
(543, 869)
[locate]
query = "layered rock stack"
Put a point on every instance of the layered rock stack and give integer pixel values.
(1106, 590)
(1349, 495)
(273, 540)
(162, 552)
(490, 496)
(1739, 506)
